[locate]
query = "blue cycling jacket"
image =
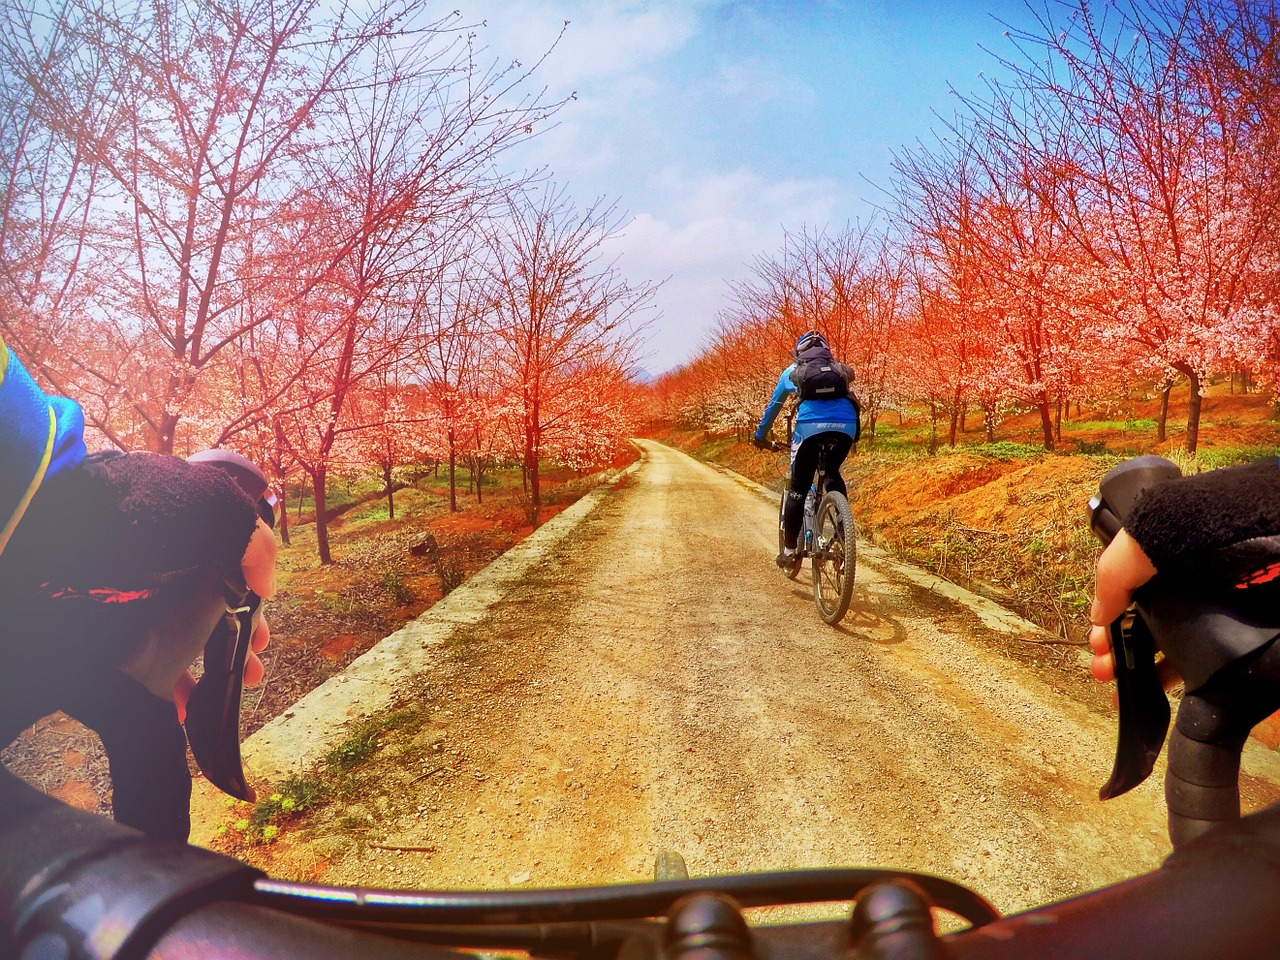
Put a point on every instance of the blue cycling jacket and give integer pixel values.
(39, 436)
(812, 416)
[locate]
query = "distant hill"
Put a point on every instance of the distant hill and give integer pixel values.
(643, 376)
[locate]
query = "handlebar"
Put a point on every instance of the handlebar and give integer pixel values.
(75, 885)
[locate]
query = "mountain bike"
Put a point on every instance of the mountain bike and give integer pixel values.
(78, 886)
(828, 538)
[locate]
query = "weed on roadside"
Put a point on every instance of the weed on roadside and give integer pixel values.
(451, 572)
(263, 821)
(333, 779)
(363, 740)
(393, 584)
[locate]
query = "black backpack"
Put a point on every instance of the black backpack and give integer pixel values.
(818, 375)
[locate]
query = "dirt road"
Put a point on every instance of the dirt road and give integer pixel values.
(657, 683)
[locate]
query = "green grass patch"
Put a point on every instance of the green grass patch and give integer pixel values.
(911, 441)
(336, 777)
(1141, 424)
(361, 743)
(1091, 448)
(1211, 458)
(374, 512)
(338, 604)
(1007, 450)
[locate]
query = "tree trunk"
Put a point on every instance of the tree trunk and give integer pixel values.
(453, 474)
(391, 494)
(1193, 412)
(1162, 424)
(1046, 421)
(278, 468)
(322, 528)
(957, 418)
(161, 440)
(282, 521)
(535, 485)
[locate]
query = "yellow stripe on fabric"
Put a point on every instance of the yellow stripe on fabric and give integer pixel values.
(21, 508)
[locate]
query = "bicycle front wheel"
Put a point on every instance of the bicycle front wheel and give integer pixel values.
(835, 554)
(794, 570)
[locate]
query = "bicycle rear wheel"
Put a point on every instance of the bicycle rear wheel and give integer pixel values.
(835, 554)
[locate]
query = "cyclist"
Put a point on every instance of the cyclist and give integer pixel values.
(826, 409)
(112, 570)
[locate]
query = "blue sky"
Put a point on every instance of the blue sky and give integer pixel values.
(716, 126)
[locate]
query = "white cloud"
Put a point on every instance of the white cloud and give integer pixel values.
(754, 86)
(667, 98)
(603, 40)
(716, 228)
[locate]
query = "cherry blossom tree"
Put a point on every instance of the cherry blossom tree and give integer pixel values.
(227, 120)
(1158, 175)
(561, 313)
(452, 347)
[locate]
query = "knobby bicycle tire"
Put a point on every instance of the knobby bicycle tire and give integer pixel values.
(835, 556)
(795, 567)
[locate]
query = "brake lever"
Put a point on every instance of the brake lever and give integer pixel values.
(213, 709)
(1142, 705)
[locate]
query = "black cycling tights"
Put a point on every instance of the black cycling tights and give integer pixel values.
(802, 471)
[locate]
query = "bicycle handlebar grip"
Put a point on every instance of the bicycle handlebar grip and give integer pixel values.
(892, 921)
(1201, 784)
(707, 926)
(251, 932)
(1214, 720)
(1214, 898)
(78, 886)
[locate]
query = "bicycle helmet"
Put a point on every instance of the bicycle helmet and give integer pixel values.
(811, 338)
